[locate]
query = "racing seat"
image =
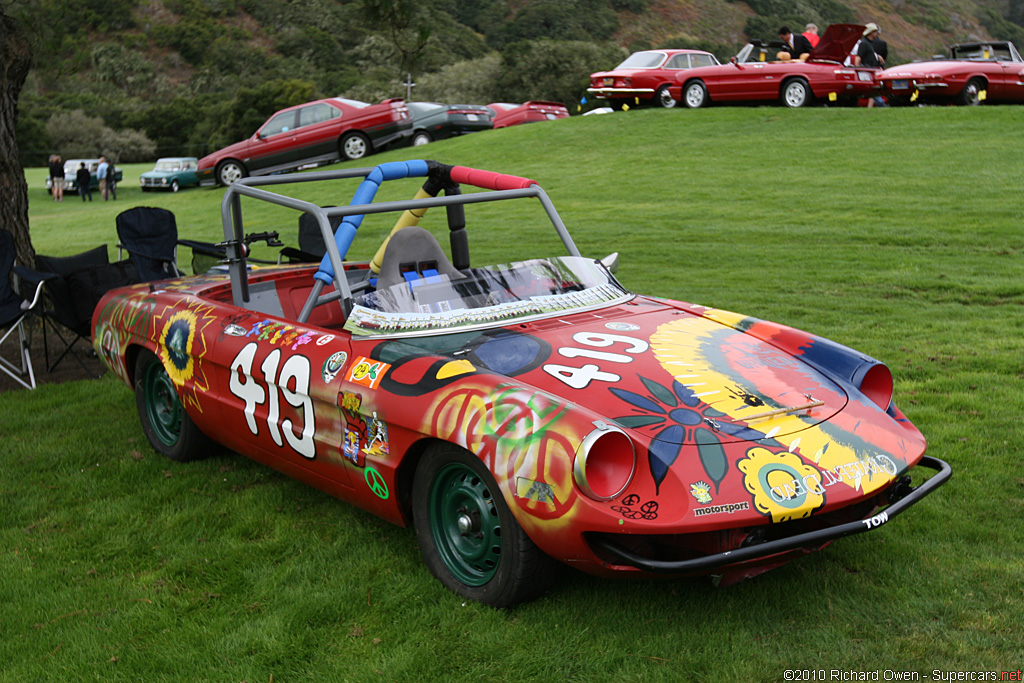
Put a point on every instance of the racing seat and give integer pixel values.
(311, 241)
(413, 255)
(14, 311)
(150, 236)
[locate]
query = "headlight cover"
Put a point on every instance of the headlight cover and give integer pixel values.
(605, 463)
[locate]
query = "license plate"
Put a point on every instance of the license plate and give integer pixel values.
(865, 76)
(900, 85)
(471, 117)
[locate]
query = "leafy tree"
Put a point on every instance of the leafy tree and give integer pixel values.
(127, 69)
(252, 106)
(406, 24)
(560, 20)
(556, 70)
(468, 82)
(76, 134)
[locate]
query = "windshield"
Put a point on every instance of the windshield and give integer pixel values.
(169, 166)
(485, 297)
(642, 60)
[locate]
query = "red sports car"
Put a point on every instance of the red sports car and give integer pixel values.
(508, 114)
(751, 78)
(974, 73)
(648, 77)
(514, 414)
(311, 134)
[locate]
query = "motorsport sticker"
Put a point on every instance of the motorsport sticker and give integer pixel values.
(622, 327)
(367, 372)
(333, 365)
(718, 509)
(324, 339)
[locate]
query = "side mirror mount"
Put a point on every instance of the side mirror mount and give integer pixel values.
(611, 262)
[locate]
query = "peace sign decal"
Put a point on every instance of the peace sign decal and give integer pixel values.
(376, 483)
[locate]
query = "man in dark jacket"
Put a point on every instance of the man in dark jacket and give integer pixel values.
(84, 179)
(795, 44)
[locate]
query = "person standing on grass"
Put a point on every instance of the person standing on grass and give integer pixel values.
(57, 177)
(111, 181)
(84, 179)
(101, 173)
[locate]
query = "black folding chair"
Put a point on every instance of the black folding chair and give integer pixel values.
(150, 236)
(14, 312)
(72, 291)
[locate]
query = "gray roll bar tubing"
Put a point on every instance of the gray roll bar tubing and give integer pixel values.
(231, 216)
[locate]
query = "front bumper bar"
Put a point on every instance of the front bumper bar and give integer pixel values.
(764, 550)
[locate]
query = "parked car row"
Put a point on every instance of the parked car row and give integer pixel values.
(974, 72)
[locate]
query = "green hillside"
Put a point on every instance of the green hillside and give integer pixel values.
(160, 77)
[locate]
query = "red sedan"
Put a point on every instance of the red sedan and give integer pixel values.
(795, 83)
(508, 114)
(648, 77)
(975, 72)
(314, 133)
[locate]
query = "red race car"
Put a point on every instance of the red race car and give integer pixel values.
(311, 134)
(508, 114)
(516, 414)
(974, 73)
(647, 77)
(751, 78)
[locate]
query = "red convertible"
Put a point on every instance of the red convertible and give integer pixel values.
(795, 83)
(516, 414)
(974, 73)
(648, 77)
(311, 134)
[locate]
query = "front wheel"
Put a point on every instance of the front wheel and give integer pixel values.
(696, 95)
(971, 94)
(354, 146)
(166, 424)
(796, 93)
(230, 171)
(467, 534)
(663, 98)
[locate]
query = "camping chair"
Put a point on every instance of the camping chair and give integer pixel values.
(14, 310)
(311, 241)
(71, 287)
(150, 236)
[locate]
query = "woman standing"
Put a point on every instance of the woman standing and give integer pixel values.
(57, 177)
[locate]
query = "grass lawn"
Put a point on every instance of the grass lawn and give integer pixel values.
(896, 232)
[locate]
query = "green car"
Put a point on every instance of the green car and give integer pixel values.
(172, 173)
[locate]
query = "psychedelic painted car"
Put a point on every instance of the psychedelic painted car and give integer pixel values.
(976, 72)
(515, 414)
(751, 78)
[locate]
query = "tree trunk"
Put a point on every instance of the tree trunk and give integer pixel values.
(15, 61)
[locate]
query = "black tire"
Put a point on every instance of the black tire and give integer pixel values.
(970, 96)
(420, 138)
(174, 186)
(354, 146)
(467, 535)
(663, 99)
(796, 93)
(229, 170)
(168, 427)
(695, 95)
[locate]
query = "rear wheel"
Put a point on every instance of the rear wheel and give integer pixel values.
(167, 426)
(467, 534)
(796, 93)
(354, 146)
(971, 94)
(229, 171)
(663, 98)
(695, 95)
(421, 137)
(174, 186)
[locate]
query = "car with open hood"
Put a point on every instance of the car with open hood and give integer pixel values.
(171, 174)
(751, 77)
(647, 77)
(983, 71)
(519, 416)
(311, 134)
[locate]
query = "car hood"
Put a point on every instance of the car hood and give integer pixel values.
(238, 149)
(161, 174)
(837, 42)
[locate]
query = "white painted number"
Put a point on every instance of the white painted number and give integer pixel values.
(579, 378)
(293, 384)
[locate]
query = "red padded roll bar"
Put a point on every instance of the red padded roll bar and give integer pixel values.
(489, 180)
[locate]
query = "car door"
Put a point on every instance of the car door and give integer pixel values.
(317, 132)
(273, 144)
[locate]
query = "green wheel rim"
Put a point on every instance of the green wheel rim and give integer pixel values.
(162, 405)
(465, 524)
